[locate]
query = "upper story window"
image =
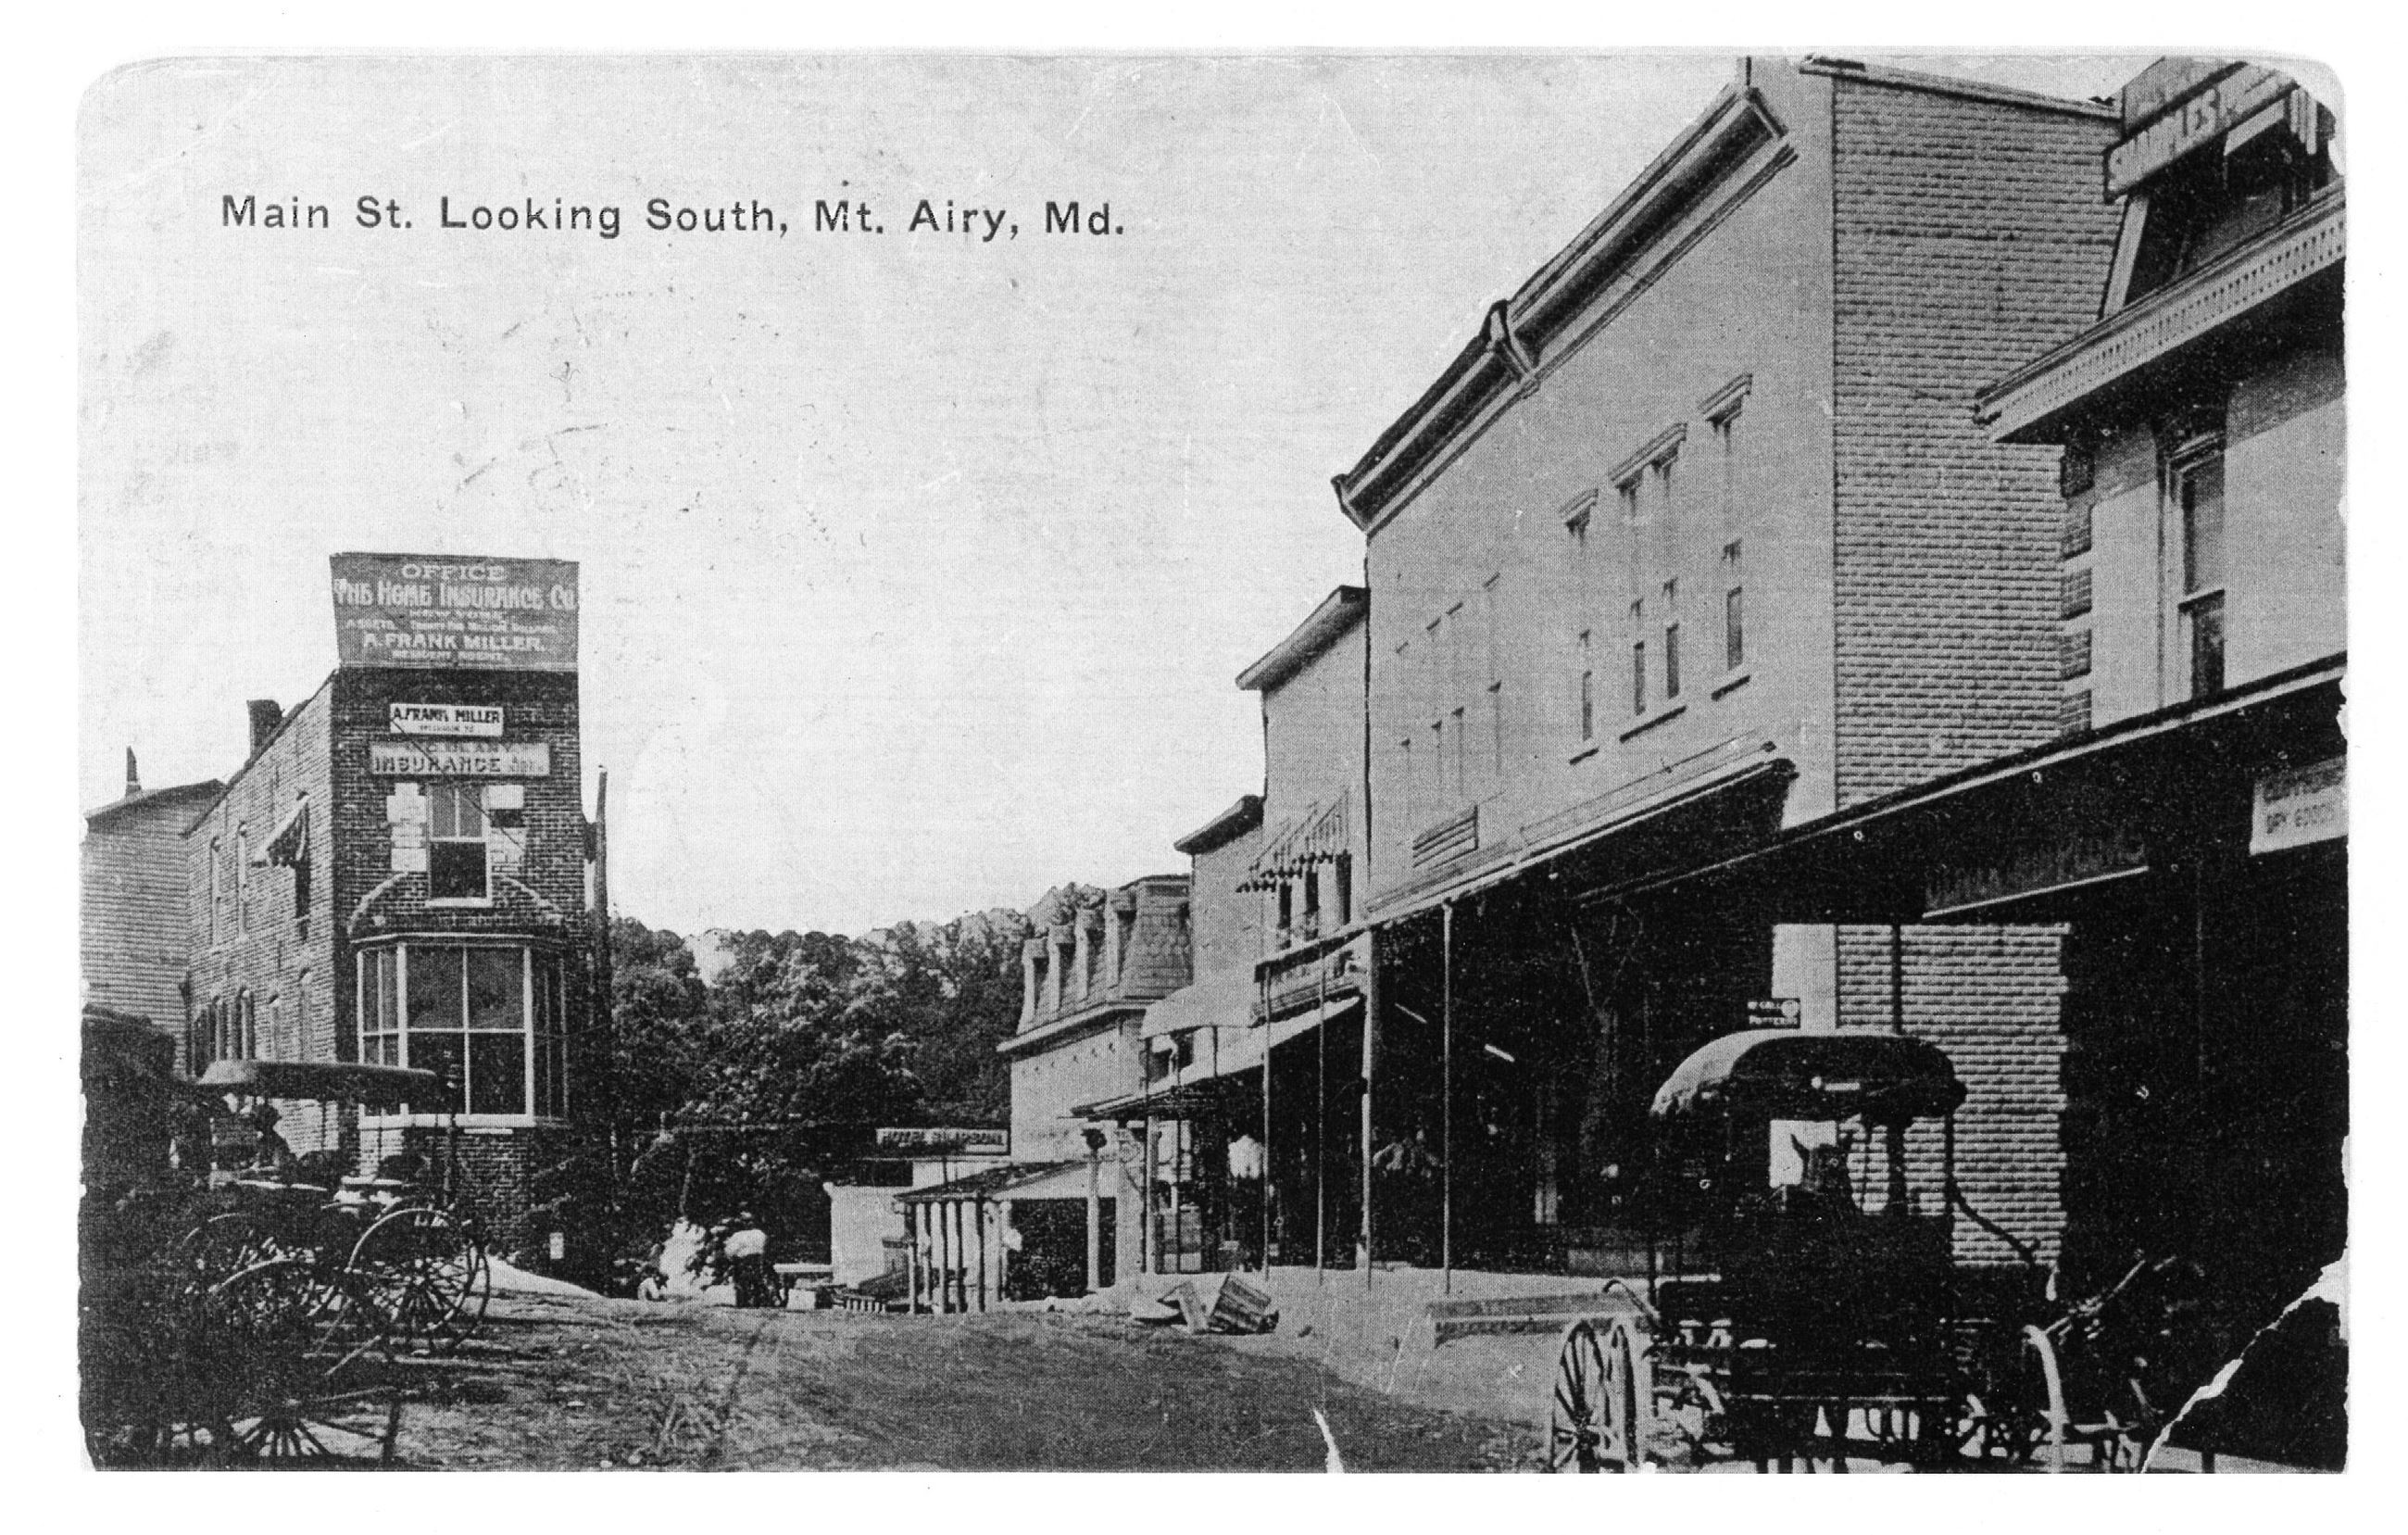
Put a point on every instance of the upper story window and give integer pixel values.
(1734, 608)
(488, 1019)
(455, 842)
(2194, 486)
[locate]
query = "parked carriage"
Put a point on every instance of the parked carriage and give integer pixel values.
(267, 1319)
(1798, 1326)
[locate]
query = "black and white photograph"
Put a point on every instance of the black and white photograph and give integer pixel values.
(1452, 761)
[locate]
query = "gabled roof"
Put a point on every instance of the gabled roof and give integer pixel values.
(207, 789)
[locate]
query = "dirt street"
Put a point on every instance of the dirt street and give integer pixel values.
(562, 1384)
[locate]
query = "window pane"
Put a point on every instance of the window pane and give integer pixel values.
(1672, 661)
(1639, 677)
(439, 1053)
(2205, 619)
(2202, 505)
(456, 870)
(498, 1074)
(495, 999)
(433, 988)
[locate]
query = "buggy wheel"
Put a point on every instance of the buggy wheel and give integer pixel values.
(1576, 1409)
(222, 1246)
(302, 1377)
(1629, 1398)
(427, 1275)
(2040, 1400)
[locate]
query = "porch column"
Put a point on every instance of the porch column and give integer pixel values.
(1446, 1099)
(1095, 1211)
(1370, 1045)
(979, 1214)
(1263, 1184)
(1149, 1229)
(911, 1253)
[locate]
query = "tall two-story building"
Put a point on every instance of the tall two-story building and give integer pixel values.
(1697, 541)
(2193, 818)
(399, 874)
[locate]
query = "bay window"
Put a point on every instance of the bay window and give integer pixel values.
(488, 1019)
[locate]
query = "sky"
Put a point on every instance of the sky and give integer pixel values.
(917, 566)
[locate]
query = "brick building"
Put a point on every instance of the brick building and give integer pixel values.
(399, 874)
(1697, 541)
(133, 917)
(2191, 826)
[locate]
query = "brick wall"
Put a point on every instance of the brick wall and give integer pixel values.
(251, 939)
(1968, 237)
(1991, 997)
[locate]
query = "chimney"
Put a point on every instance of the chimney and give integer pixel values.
(132, 778)
(265, 715)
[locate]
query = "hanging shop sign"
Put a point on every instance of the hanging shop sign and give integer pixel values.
(445, 612)
(448, 719)
(2065, 862)
(460, 758)
(959, 1139)
(2300, 806)
(2194, 124)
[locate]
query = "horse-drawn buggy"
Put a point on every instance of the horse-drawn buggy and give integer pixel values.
(270, 1317)
(1803, 1304)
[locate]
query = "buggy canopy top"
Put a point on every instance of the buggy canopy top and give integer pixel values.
(1788, 1073)
(340, 1081)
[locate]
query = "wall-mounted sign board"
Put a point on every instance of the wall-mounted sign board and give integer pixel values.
(460, 758)
(447, 612)
(2300, 806)
(448, 719)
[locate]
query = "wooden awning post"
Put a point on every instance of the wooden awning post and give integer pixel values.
(1149, 1253)
(1095, 1218)
(1371, 1047)
(1446, 1099)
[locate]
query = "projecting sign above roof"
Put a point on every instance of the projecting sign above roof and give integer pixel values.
(444, 611)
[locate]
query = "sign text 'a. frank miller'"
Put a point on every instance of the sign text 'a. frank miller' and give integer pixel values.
(460, 758)
(448, 719)
(443, 611)
(2300, 806)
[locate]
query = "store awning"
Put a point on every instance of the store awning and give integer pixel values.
(339, 1082)
(289, 846)
(1021, 1180)
(1316, 837)
(1224, 1000)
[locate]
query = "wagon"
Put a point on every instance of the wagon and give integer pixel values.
(408, 1243)
(1797, 1322)
(265, 1320)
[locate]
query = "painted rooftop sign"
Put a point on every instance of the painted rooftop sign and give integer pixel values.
(442, 611)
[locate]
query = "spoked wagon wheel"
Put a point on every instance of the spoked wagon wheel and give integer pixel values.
(1576, 1411)
(427, 1275)
(302, 1377)
(224, 1245)
(1629, 1398)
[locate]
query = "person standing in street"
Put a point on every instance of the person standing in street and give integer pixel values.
(747, 1250)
